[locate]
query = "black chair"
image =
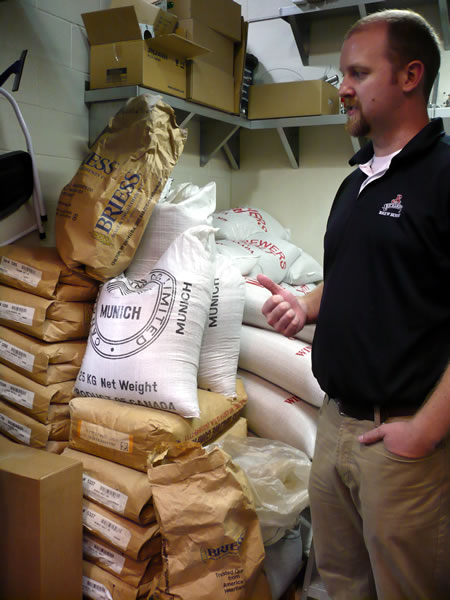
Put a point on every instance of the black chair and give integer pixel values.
(18, 172)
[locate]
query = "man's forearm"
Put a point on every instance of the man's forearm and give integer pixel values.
(311, 303)
(433, 419)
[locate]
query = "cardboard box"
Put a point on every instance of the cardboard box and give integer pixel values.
(292, 99)
(41, 523)
(211, 86)
(162, 21)
(120, 56)
(223, 16)
(222, 48)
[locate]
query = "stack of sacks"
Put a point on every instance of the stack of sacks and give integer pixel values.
(138, 384)
(45, 314)
(283, 395)
(257, 243)
(121, 538)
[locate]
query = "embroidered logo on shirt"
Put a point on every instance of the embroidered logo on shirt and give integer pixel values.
(393, 208)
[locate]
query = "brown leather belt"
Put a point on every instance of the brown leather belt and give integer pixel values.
(369, 413)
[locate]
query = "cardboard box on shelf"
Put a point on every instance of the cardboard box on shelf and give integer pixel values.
(120, 56)
(41, 520)
(222, 48)
(147, 13)
(223, 16)
(211, 86)
(293, 99)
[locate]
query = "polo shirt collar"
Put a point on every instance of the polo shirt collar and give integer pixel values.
(419, 144)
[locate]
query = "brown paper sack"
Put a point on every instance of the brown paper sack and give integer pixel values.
(103, 211)
(124, 433)
(56, 447)
(211, 539)
(48, 320)
(21, 428)
(133, 572)
(43, 362)
(30, 397)
(58, 425)
(136, 541)
(98, 584)
(40, 270)
(120, 489)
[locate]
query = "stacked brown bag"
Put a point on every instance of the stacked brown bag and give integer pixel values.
(45, 313)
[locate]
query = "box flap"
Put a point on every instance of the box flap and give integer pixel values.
(146, 12)
(176, 45)
(112, 25)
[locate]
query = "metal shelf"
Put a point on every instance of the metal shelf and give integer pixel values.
(218, 130)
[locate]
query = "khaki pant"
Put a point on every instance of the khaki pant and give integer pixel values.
(380, 521)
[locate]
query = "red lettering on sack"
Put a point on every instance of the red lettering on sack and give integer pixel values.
(304, 351)
(252, 213)
(292, 400)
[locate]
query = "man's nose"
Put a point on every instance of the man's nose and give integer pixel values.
(345, 89)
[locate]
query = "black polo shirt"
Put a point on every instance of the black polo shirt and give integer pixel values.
(383, 331)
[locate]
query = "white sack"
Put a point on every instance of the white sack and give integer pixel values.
(239, 223)
(243, 256)
(145, 338)
(276, 414)
(283, 361)
(305, 269)
(276, 255)
(256, 295)
(219, 353)
(185, 206)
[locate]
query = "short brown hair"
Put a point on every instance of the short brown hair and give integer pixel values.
(410, 37)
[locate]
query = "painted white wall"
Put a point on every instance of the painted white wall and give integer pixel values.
(51, 99)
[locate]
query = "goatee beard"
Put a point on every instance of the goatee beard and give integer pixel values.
(357, 126)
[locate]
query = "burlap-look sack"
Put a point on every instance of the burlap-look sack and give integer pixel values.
(139, 542)
(124, 433)
(41, 271)
(103, 211)
(48, 320)
(120, 489)
(43, 362)
(211, 539)
(30, 397)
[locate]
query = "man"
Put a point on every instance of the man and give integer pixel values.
(379, 485)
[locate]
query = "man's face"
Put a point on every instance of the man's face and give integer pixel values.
(369, 90)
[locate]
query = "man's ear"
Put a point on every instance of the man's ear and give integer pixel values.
(413, 75)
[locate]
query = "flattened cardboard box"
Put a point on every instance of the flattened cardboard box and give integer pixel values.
(41, 522)
(292, 99)
(120, 56)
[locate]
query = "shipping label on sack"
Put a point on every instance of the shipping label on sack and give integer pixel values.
(145, 339)
(103, 211)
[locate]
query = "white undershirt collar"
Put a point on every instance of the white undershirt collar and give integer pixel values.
(376, 167)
